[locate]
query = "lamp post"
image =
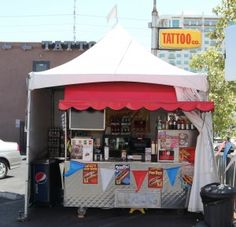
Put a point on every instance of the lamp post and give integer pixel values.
(154, 26)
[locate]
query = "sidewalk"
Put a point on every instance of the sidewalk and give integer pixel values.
(62, 216)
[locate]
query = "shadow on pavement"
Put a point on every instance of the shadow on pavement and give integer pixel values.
(64, 216)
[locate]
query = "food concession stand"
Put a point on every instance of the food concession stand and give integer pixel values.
(137, 131)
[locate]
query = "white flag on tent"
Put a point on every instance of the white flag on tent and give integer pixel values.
(112, 14)
(106, 175)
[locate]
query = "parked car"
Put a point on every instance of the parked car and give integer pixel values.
(10, 157)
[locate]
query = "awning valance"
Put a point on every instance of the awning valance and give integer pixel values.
(129, 95)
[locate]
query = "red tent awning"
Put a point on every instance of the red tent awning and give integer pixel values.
(133, 96)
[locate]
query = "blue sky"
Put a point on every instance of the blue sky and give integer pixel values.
(38, 20)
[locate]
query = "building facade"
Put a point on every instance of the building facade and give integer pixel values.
(16, 61)
(181, 58)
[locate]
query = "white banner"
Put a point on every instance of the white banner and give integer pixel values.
(106, 175)
(230, 52)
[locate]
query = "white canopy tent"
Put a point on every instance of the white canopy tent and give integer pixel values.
(119, 58)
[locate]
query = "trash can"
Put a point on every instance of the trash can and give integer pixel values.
(46, 182)
(218, 204)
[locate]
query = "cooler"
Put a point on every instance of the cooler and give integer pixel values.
(46, 182)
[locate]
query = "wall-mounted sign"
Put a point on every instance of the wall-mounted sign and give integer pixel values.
(145, 199)
(67, 45)
(179, 39)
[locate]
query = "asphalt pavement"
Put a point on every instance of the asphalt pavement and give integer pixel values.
(12, 191)
(10, 211)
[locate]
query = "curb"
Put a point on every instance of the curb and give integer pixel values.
(10, 195)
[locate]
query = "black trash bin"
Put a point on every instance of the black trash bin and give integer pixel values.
(218, 204)
(46, 182)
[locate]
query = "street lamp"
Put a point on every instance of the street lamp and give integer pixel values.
(154, 26)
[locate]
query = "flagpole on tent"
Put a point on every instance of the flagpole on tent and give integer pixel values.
(74, 24)
(113, 14)
(65, 135)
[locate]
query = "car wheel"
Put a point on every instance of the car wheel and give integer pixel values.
(3, 168)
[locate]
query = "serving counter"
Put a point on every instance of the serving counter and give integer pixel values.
(126, 184)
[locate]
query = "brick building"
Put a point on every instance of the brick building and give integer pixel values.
(16, 61)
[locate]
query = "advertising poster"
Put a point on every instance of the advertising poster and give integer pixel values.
(168, 146)
(122, 174)
(187, 175)
(82, 148)
(90, 173)
(167, 155)
(187, 154)
(155, 177)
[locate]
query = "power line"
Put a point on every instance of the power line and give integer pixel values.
(70, 14)
(36, 15)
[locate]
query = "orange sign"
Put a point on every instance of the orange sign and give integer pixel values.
(155, 177)
(90, 173)
(179, 39)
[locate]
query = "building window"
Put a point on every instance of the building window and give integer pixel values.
(213, 22)
(171, 56)
(208, 22)
(187, 22)
(40, 66)
(186, 55)
(178, 62)
(175, 23)
(161, 55)
(213, 43)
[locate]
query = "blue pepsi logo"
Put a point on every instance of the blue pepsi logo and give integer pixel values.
(40, 177)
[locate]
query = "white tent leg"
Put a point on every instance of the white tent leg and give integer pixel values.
(26, 204)
(65, 134)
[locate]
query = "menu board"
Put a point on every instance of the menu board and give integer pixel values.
(87, 120)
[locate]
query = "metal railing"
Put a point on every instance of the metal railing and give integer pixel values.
(226, 170)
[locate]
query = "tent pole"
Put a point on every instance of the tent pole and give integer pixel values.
(65, 132)
(25, 216)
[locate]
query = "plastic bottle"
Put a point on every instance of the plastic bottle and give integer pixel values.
(178, 124)
(106, 153)
(153, 147)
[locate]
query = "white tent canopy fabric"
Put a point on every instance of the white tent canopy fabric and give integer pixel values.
(205, 170)
(117, 57)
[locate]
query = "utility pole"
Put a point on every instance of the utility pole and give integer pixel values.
(74, 25)
(154, 26)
